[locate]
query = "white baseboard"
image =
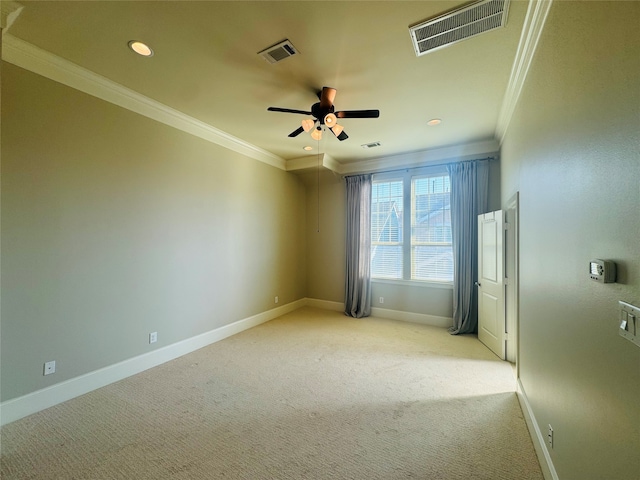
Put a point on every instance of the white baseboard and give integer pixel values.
(433, 320)
(539, 443)
(20, 407)
(325, 304)
(424, 319)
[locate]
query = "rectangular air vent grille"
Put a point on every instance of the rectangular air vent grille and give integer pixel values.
(278, 52)
(371, 145)
(459, 25)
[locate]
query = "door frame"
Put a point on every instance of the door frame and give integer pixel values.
(512, 276)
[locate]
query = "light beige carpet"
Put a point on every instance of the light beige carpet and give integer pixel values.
(311, 395)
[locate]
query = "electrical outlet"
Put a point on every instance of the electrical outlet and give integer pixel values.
(153, 337)
(381, 300)
(275, 300)
(550, 436)
(50, 367)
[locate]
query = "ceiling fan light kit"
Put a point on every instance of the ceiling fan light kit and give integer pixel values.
(330, 120)
(307, 124)
(324, 114)
(337, 130)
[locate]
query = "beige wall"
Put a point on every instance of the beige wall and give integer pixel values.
(325, 255)
(573, 152)
(114, 226)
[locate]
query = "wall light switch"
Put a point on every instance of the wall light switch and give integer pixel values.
(628, 322)
(632, 325)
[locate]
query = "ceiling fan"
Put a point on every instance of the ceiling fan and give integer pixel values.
(324, 113)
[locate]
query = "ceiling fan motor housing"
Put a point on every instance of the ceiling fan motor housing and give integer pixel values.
(319, 113)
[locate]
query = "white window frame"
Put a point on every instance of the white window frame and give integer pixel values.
(407, 176)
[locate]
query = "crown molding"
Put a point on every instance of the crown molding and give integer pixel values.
(531, 31)
(9, 11)
(311, 162)
(423, 158)
(41, 62)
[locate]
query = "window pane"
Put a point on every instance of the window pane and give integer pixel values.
(386, 261)
(432, 263)
(431, 252)
(386, 229)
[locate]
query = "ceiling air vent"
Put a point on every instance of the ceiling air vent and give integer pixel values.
(371, 145)
(278, 52)
(458, 25)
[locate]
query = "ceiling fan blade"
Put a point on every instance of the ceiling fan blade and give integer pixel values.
(287, 110)
(296, 132)
(358, 114)
(327, 96)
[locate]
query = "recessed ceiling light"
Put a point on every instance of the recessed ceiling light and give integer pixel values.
(307, 148)
(141, 48)
(434, 121)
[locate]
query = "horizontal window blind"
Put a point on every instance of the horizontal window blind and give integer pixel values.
(431, 250)
(386, 229)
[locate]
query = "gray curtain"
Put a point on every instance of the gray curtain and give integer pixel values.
(358, 275)
(469, 194)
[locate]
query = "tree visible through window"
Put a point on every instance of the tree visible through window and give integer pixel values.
(428, 254)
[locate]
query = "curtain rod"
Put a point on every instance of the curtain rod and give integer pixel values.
(406, 169)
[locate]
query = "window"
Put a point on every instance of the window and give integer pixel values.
(387, 229)
(427, 254)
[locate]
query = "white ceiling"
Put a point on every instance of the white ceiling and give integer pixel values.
(206, 65)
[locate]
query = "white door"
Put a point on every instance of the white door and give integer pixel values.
(491, 314)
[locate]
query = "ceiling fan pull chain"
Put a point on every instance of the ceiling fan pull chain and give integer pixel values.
(318, 231)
